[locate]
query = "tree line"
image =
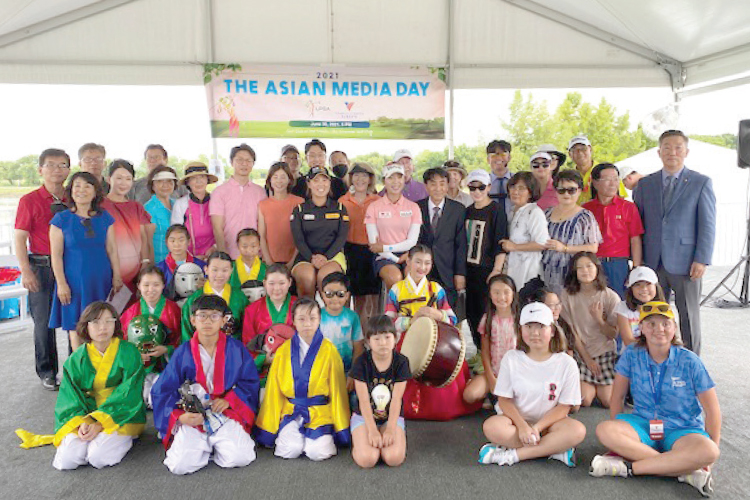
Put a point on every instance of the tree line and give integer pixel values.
(530, 123)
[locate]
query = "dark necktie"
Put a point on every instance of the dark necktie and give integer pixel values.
(668, 191)
(435, 218)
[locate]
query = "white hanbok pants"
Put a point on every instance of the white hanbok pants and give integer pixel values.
(191, 448)
(103, 450)
(290, 443)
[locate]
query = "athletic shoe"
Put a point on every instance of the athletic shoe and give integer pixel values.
(50, 383)
(568, 457)
(491, 454)
(701, 479)
(488, 452)
(608, 465)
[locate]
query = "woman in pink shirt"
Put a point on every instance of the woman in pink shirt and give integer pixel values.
(392, 224)
(541, 168)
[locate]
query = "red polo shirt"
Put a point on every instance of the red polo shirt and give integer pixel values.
(33, 216)
(619, 221)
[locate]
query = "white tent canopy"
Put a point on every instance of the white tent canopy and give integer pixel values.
(730, 185)
(486, 43)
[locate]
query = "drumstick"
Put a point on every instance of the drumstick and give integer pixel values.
(432, 300)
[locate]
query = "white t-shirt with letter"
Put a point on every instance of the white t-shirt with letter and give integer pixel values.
(537, 387)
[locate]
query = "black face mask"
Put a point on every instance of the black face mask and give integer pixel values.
(340, 170)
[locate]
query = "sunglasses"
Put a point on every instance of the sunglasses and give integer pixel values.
(477, 188)
(570, 191)
(89, 228)
(57, 207)
(545, 164)
(662, 308)
(339, 293)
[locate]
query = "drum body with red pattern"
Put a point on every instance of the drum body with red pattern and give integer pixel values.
(435, 350)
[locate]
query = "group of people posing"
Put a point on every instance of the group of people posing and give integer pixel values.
(537, 262)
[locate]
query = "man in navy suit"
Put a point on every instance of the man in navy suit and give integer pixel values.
(678, 209)
(444, 230)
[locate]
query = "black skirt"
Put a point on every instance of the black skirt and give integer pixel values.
(359, 268)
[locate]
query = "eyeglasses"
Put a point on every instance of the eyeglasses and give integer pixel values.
(662, 308)
(477, 188)
(612, 179)
(92, 161)
(54, 166)
(338, 293)
(244, 161)
(545, 164)
(570, 191)
(518, 187)
(89, 228)
(216, 316)
(103, 322)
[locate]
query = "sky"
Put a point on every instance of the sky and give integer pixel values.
(127, 118)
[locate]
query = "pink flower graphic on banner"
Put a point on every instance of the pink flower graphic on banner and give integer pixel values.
(226, 103)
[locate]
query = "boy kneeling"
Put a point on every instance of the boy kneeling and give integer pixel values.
(206, 399)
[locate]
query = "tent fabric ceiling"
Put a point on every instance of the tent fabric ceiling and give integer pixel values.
(496, 43)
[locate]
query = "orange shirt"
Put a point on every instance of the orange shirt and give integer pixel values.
(276, 216)
(356, 211)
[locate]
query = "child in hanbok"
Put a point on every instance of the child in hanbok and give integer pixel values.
(165, 316)
(305, 408)
(206, 400)
(218, 271)
(416, 297)
(99, 409)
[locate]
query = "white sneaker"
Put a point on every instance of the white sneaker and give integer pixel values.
(608, 465)
(568, 457)
(492, 454)
(701, 479)
(488, 452)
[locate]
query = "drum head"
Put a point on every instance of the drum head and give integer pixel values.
(419, 344)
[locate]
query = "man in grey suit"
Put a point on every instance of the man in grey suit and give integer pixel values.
(678, 209)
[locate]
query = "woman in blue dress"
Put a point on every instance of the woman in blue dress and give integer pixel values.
(84, 254)
(162, 181)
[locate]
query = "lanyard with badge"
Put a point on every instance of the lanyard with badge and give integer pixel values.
(656, 426)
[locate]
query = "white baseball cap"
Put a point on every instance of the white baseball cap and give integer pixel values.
(536, 312)
(402, 153)
(540, 154)
(642, 273)
(579, 139)
(391, 169)
(479, 175)
(626, 171)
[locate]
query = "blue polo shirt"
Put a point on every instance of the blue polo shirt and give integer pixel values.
(684, 378)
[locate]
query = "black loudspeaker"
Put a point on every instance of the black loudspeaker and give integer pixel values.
(743, 145)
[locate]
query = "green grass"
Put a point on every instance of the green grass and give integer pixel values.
(15, 191)
(282, 129)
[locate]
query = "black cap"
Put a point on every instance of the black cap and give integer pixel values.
(315, 171)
